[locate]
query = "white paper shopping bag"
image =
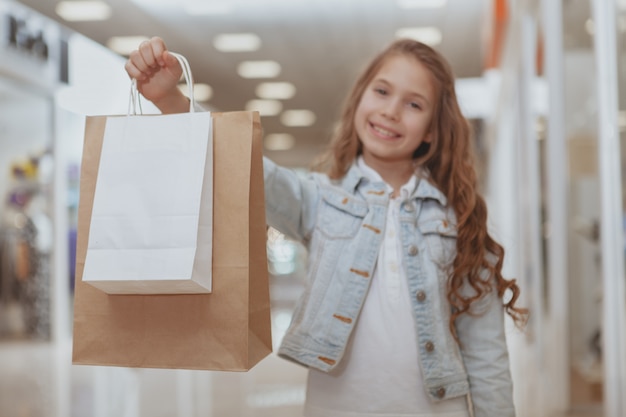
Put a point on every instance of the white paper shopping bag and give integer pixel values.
(151, 222)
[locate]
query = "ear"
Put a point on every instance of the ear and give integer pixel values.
(428, 138)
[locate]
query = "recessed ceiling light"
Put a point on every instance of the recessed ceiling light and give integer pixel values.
(276, 91)
(259, 69)
(237, 42)
(621, 119)
(83, 11)
(429, 35)
(265, 107)
(621, 23)
(201, 92)
(279, 142)
(295, 118)
(421, 4)
(124, 45)
(590, 27)
(204, 8)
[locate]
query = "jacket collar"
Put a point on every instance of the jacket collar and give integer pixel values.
(355, 178)
(426, 189)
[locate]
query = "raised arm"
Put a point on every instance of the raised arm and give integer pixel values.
(157, 73)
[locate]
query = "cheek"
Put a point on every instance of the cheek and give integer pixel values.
(367, 105)
(360, 117)
(419, 134)
(419, 128)
(361, 107)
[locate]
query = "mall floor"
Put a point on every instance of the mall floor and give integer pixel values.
(38, 380)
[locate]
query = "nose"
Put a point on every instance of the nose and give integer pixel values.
(392, 109)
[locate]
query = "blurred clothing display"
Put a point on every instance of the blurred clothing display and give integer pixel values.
(25, 249)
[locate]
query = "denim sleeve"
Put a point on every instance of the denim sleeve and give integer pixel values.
(486, 358)
(290, 201)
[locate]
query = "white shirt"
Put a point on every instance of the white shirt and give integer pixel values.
(379, 374)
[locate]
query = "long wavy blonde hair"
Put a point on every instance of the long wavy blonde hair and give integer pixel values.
(449, 159)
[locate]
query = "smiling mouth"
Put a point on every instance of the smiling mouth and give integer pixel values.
(384, 133)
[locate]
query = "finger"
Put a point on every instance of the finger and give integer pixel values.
(170, 62)
(134, 72)
(158, 49)
(137, 62)
(146, 50)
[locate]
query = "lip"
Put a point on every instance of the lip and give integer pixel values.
(383, 132)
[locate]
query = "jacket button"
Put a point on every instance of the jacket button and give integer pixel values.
(409, 207)
(430, 346)
(441, 392)
(412, 250)
(421, 296)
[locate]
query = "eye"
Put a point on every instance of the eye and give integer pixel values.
(380, 91)
(415, 105)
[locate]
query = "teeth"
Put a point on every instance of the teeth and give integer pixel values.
(384, 131)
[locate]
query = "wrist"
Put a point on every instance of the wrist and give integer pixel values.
(176, 102)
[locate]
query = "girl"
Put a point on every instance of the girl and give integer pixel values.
(403, 312)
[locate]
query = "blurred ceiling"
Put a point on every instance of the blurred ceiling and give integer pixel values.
(321, 46)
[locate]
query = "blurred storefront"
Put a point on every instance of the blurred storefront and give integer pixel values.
(559, 135)
(29, 73)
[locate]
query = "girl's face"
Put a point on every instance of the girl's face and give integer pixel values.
(393, 117)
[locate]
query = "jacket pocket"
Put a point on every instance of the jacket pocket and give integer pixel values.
(440, 240)
(340, 215)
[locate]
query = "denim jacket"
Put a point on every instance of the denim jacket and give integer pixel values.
(342, 224)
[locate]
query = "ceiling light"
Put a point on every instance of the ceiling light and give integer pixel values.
(621, 119)
(83, 11)
(279, 142)
(145, 3)
(203, 8)
(124, 45)
(259, 69)
(590, 26)
(276, 91)
(295, 118)
(237, 42)
(201, 92)
(429, 35)
(621, 23)
(265, 107)
(421, 4)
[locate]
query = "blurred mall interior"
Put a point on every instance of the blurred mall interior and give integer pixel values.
(540, 80)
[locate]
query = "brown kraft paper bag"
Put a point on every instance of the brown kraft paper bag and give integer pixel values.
(227, 330)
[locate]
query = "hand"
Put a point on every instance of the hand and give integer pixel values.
(157, 73)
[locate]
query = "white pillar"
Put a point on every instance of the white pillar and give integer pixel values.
(60, 290)
(530, 183)
(612, 240)
(557, 323)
